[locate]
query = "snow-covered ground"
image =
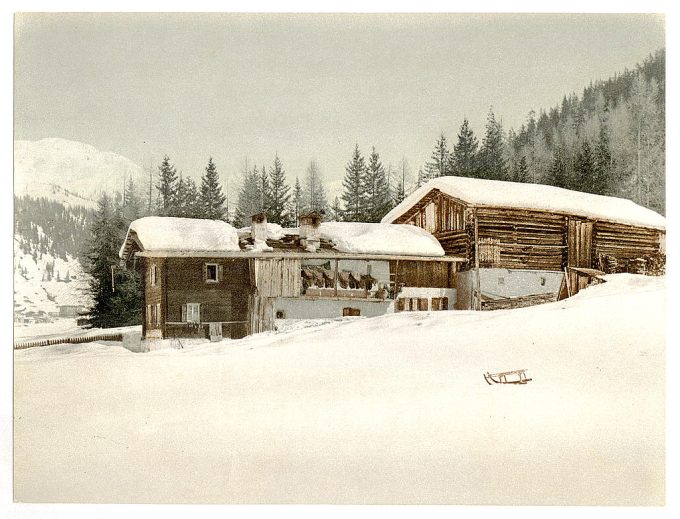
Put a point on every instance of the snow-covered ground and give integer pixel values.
(392, 409)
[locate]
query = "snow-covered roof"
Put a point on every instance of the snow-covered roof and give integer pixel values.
(380, 238)
(495, 193)
(274, 231)
(162, 233)
(184, 235)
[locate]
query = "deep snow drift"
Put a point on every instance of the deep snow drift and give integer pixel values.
(392, 409)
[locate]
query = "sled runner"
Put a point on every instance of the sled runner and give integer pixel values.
(517, 376)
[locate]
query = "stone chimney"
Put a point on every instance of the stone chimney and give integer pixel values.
(309, 231)
(258, 227)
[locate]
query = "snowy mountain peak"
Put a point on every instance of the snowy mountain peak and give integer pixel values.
(70, 172)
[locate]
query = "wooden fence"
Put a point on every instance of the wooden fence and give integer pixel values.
(69, 340)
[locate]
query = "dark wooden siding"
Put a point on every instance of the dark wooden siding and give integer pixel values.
(427, 274)
(224, 301)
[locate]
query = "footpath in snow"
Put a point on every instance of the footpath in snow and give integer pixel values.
(392, 409)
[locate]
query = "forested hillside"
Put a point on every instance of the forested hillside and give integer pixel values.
(48, 227)
(610, 140)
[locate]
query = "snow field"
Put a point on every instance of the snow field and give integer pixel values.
(392, 409)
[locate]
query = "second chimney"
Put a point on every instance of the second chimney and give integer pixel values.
(258, 227)
(309, 231)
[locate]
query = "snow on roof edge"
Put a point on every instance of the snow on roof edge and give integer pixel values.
(537, 197)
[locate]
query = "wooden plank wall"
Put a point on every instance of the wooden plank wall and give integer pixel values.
(278, 277)
(261, 314)
(427, 274)
(527, 239)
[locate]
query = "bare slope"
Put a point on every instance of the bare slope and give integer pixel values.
(385, 410)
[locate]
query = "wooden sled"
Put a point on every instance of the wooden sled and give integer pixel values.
(517, 376)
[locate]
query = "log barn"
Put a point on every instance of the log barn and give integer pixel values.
(529, 243)
(205, 279)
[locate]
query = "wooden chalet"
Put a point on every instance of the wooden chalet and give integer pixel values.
(511, 230)
(204, 278)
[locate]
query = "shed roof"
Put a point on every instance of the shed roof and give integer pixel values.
(538, 197)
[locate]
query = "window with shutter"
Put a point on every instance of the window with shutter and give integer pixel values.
(210, 272)
(445, 303)
(422, 304)
(400, 304)
(436, 303)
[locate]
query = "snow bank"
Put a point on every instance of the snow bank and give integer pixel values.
(392, 409)
(480, 192)
(158, 233)
(380, 238)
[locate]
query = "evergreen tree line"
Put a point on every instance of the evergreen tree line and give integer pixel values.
(609, 141)
(48, 227)
(266, 190)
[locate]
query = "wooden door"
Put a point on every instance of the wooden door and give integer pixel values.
(215, 331)
(580, 243)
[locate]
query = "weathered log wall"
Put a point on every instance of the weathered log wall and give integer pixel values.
(520, 239)
(617, 244)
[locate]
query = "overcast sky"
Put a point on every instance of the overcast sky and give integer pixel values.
(303, 86)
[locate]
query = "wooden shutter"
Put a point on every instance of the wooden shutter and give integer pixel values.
(422, 304)
(436, 303)
(220, 273)
(205, 272)
(184, 313)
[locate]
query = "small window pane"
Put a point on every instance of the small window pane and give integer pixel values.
(211, 272)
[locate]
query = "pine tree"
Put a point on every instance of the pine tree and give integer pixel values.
(584, 169)
(264, 190)
(102, 255)
(179, 200)
(191, 204)
(211, 198)
(249, 200)
(132, 202)
(376, 200)
(603, 165)
(336, 210)
(298, 206)
(464, 155)
(492, 163)
(280, 198)
(440, 160)
(520, 170)
(167, 186)
(352, 195)
(422, 178)
(315, 194)
(399, 191)
(558, 175)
